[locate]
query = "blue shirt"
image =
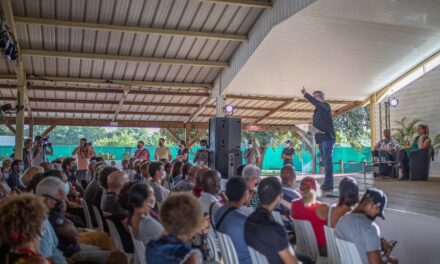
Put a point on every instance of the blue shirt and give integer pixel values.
(233, 226)
(49, 244)
(170, 250)
(14, 181)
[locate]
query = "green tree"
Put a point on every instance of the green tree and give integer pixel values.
(352, 127)
(4, 131)
(125, 138)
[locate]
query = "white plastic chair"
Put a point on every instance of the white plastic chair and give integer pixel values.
(98, 218)
(257, 257)
(306, 241)
(139, 249)
(332, 248)
(87, 214)
(227, 249)
(115, 235)
(348, 252)
(213, 245)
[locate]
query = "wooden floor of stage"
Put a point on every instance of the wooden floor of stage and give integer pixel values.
(420, 197)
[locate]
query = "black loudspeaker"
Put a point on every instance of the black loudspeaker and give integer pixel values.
(224, 134)
(224, 145)
(225, 162)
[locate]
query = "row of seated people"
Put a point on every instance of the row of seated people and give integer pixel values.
(387, 151)
(166, 221)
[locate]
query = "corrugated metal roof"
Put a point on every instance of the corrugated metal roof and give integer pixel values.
(98, 98)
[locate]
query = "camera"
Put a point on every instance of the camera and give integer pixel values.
(46, 142)
(89, 143)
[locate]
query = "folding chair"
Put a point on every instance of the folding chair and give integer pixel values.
(139, 249)
(116, 237)
(227, 249)
(348, 252)
(87, 214)
(306, 241)
(257, 257)
(332, 248)
(99, 220)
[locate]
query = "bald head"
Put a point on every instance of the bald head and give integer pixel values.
(288, 176)
(116, 180)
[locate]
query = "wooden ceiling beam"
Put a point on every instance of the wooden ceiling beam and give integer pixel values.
(111, 82)
(244, 3)
(280, 99)
(256, 108)
(108, 123)
(199, 110)
(130, 29)
(286, 103)
(347, 108)
(136, 59)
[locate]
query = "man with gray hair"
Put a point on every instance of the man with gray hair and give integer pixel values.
(61, 234)
(251, 175)
(322, 120)
(109, 203)
(50, 189)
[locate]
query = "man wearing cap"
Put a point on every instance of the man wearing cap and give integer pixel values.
(288, 153)
(251, 155)
(359, 228)
(322, 120)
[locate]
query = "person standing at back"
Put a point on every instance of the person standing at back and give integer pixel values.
(141, 153)
(288, 153)
(322, 120)
(83, 154)
(252, 155)
(162, 152)
(39, 151)
(183, 152)
(27, 156)
(201, 157)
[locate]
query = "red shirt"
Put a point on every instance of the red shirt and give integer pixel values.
(197, 192)
(300, 212)
(141, 154)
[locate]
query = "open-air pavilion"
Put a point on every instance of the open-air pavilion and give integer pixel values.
(176, 63)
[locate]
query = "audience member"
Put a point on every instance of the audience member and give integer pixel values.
(5, 190)
(157, 173)
(288, 178)
(52, 190)
(90, 173)
(47, 166)
(240, 169)
(70, 168)
(137, 168)
(182, 218)
(308, 208)
(348, 198)
(209, 198)
(131, 172)
(162, 152)
(141, 153)
(21, 235)
(109, 204)
(103, 182)
(252, 155)
(124, 164)
(359, 228)
(201, 157)
(39, 151)
(288, 153)
(197, 190)
(176, 174)
(262, 232)
(34, 182)
(251, 174)
(183, 152)
(14, 176)
(6, 167)
(27, 156)
(84, 152)
(93, 187)
(185, 170)
(144, 171)
(189, 182)
(142, 201)
(229, 220)
(29, 173)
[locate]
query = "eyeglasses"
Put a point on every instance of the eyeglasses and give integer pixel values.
(53, 198)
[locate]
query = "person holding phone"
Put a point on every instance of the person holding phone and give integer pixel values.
(84, 152)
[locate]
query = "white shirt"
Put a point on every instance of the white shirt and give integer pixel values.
(206, 199)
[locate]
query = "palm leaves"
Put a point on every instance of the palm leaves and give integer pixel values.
(436, 144)
(405, 131)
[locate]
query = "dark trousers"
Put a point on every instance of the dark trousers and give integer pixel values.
(326, 150)
(403, 160)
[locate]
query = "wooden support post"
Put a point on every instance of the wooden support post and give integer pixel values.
(341, 166)
(187, 135)
(373, 120)
(48, 130)
(31, 130)
(196, 138)
(173, 134)
(11, 128)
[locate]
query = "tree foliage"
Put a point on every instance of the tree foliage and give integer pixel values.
(352, 127)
